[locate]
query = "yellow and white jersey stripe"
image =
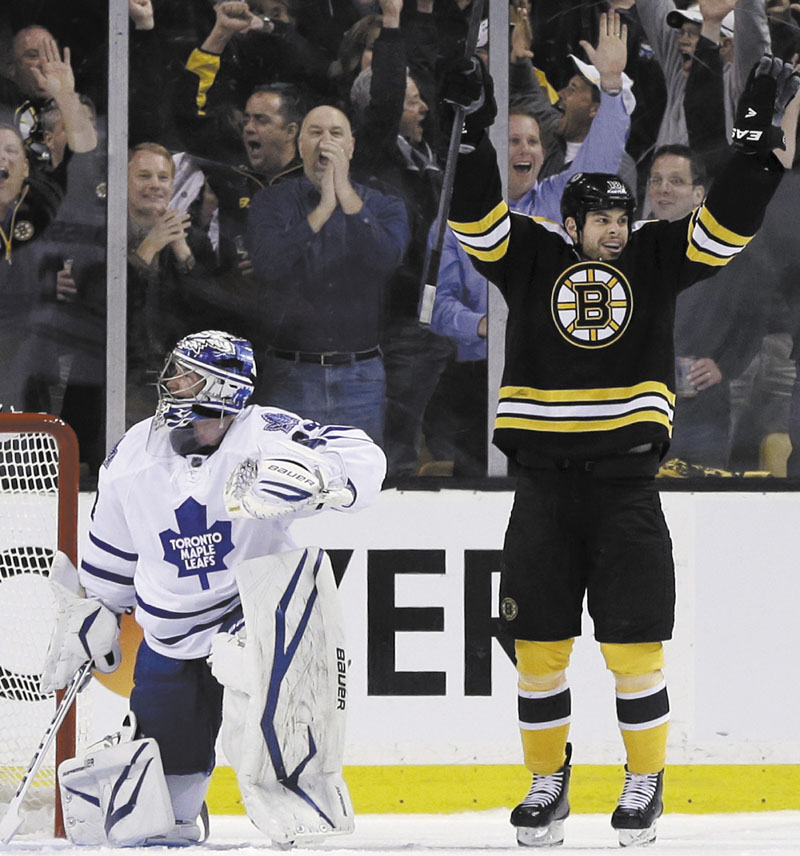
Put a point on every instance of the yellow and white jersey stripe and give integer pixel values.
(579, 410)
(589, 351)
(710, 243)
(487, 238)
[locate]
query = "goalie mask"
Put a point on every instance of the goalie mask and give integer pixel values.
(208, 375)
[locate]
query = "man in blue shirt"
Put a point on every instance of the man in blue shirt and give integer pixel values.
(324, 248)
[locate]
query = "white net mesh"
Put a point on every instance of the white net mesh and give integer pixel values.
(28, 541)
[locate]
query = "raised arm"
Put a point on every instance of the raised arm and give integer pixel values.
(604, 146)
(751, 41)
(380, 124)
(56, 77)
(526, 94)
(653, 17)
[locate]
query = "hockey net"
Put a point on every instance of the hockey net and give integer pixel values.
(38, 515)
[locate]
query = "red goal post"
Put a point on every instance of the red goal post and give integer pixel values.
(39, 467)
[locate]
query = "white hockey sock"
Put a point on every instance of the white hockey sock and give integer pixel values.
(187, 794)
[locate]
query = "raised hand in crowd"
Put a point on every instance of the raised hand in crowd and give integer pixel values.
(611, 53)
(233, 18)
(141, 13)
(54, 76)
(713, 11)
(390, 12)
(521, 34)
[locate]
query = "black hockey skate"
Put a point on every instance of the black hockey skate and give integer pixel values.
(639, 807)
(539, 818)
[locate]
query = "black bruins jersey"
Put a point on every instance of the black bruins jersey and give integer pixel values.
(589, 360)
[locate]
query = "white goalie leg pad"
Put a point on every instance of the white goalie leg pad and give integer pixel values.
(285, 697)
(115, 793)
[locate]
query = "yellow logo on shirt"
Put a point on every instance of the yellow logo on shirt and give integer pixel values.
(592, 304)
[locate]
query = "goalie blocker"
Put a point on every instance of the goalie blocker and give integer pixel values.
(285, 698)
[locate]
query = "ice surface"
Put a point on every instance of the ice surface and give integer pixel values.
(471, 834)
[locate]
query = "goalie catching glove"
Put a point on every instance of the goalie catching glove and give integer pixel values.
(301, 481)
(84, 630)
(770, 87)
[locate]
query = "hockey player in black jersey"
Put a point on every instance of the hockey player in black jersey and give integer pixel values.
(585, 414)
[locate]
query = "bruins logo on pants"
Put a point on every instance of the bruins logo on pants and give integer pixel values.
(592, 304)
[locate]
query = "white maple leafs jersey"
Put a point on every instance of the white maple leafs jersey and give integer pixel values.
(161, 541)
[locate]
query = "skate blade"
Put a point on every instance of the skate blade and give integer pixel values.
(637, 837)
(541, 836)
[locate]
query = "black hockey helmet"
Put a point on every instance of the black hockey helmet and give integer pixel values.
(595, 191)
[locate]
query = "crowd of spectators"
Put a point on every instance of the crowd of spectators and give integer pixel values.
(286, 160)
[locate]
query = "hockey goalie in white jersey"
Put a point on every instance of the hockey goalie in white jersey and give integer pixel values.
(190, 529)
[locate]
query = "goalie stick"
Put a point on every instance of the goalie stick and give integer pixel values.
(430, 272)
(12, 821)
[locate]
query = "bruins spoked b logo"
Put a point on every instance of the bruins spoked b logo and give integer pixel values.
(592, 304)
(509, 609)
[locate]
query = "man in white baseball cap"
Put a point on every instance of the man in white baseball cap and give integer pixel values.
(702, 35)
(678, 17)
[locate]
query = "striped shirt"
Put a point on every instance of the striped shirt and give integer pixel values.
(589, 365)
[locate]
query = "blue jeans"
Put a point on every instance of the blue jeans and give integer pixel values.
(415, 358)
(349, 394)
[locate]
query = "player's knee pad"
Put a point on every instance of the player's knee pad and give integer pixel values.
(115, 793)
(541, 665)
(636, 666)
(285, 679)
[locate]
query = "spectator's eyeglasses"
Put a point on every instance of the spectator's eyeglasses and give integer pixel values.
(673, 181)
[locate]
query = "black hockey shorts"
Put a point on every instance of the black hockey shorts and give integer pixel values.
(179, 703)
(595, 529)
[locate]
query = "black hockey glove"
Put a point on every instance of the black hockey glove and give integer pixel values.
(770, 87)
(467, 84)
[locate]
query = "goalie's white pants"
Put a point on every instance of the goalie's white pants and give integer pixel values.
(285, 697)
